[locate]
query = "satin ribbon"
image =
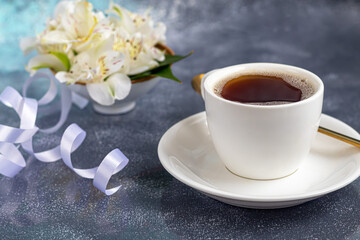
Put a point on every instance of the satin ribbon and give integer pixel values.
(11, 138)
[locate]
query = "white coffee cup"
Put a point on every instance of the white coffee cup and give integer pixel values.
(257, 141)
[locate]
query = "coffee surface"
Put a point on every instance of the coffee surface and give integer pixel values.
(265, 90)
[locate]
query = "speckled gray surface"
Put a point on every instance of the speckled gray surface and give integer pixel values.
(48, 201)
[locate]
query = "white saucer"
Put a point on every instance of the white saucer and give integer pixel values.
(187, 153)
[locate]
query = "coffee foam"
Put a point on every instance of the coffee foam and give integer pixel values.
(295, 80)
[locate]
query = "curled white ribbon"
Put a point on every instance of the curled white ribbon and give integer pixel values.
(12, 161)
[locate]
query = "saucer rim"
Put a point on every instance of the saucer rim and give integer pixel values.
(224, 194)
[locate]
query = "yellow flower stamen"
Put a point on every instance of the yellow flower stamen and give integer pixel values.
(103, 69)
(84, 39)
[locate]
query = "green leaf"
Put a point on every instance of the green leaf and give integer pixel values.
(141, 75)
(63, 58)
(40, 66)
(170, 59)
(163, 69)
(117, 10)
(166, 72)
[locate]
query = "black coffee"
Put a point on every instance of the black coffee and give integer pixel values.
(266, 90)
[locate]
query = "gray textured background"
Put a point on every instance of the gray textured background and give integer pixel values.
(48, 201)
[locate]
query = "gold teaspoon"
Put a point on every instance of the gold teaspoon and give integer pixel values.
(196, 84)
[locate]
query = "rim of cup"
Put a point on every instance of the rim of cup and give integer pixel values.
(236, 70)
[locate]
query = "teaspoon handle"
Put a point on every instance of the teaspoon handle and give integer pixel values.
(339, 136)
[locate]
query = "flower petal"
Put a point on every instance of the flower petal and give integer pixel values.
(27, 44)
(84, 60)
(110, 62)
(157, 54)
(46, 61)
(139, 70)
(143, 62)
(126, 20)
(104, 45)
(65, 77)
(100, 93)
(62, 7)
(100, 38)
(55, 37)
(120, 85)
(84, 18)
(78, 19)
(159, 33)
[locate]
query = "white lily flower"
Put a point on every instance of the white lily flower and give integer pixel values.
(89, 68)
(126, 20)
(158, 35)
(100, 74)
(117, 86)
(73, 26)
(77, 19)
(62, 7)
(45, 61)
(85, 47)
(102, 31)
(28, 44)
(157, 54)
(140, 57)
(54, 37)
(136, 37)
(143, 62)
(135, 23)
(54, 41)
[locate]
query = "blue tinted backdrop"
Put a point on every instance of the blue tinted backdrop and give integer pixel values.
(20, 18)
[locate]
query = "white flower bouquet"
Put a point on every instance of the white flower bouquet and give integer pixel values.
(107, 52)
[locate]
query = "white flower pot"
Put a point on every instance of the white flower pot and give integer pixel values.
(120, 106)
